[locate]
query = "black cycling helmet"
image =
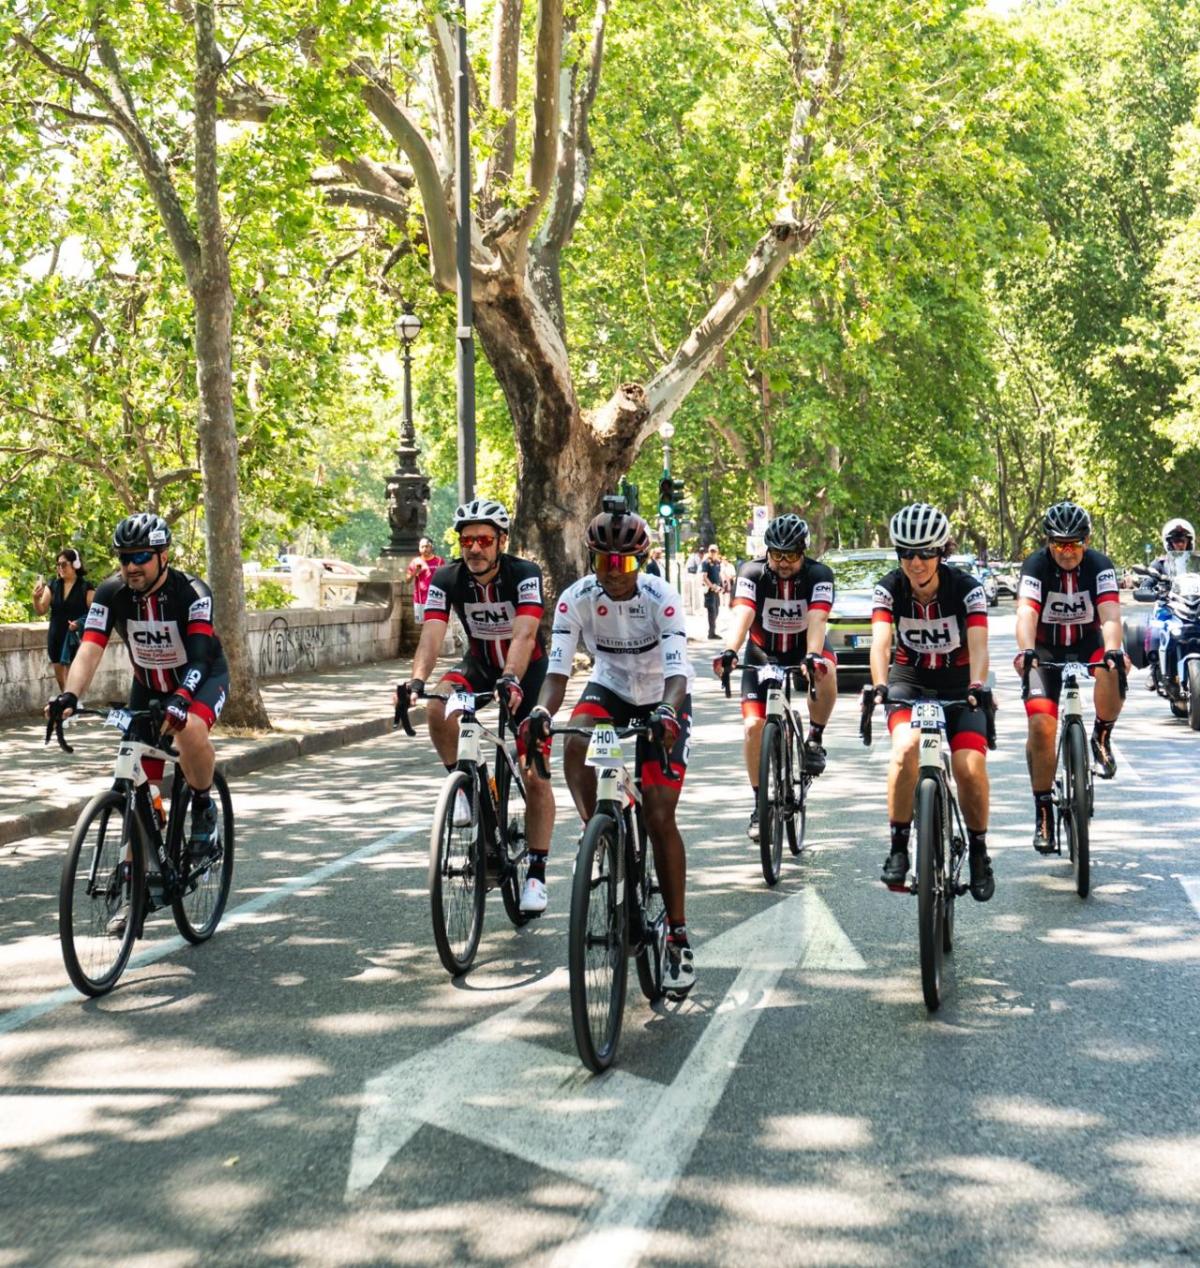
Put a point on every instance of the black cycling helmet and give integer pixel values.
(141, 531)
(787, 532)
(1067, 521)
(618, 534)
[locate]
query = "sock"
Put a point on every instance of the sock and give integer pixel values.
(448, 765)
(200, 797)
(537, 866)
(977, 841)
(900, 834)
(815, 733)
(678, 934)
(1101, 730)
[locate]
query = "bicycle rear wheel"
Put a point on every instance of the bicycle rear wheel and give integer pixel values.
(1075, 760)
(510, 814)
(649, 958)
(931, 893)
(457, 883)
(98, 885)
(198, 913)
(596, 945)
(771, 795)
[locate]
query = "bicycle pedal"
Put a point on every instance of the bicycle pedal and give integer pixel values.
(960, 889)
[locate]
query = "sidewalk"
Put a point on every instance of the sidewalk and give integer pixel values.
(44, 789)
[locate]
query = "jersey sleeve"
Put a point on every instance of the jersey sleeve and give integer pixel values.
(530, 597)
(883, 604)
(822, 589)
(672, 630)
(745, 593)
(1029, 587)
(437, 601)
(1107, 590)
(98, 625)
(564, 636)
(199, 638)
(975, 602)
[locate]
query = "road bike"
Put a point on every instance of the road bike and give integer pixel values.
(1074, 789)
(128, 855)
(617, 908)
(783, 779)
(468, 859)
(939, 838)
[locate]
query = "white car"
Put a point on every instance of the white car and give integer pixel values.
(968, 563)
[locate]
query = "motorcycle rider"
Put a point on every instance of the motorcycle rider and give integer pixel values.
(1179, 541)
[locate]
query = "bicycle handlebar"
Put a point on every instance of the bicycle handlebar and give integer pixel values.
(1122, 676)
(55, 725)
(868, 710)
(481, 698)
(644, 731)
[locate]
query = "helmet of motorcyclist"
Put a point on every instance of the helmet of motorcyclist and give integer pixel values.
(1178, 534)
(482, 511)
(787, 532)
(1067, 521)
(919, 527)
(142, 531)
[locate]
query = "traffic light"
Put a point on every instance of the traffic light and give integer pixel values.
(678, 508)
(666, 496)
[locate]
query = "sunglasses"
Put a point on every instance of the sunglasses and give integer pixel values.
(137, 557)
(784, 556)
(615, 563)
(482, 540)
(903, 552)
(1071, 543)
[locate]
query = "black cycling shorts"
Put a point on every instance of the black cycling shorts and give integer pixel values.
(207, 700)
(601, 704)
(966, 728)
(472, 673)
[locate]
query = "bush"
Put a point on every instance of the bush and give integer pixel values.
(266, 595)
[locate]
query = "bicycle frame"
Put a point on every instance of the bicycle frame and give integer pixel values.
(929, 720)
(617, 792)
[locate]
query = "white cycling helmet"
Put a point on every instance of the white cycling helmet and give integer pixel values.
(1174, 526)
(919, 527)
(482, 511)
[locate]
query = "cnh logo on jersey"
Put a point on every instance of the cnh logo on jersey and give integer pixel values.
(489, 620)
(97, 617)
(529, 590)
(934, 637)
(783, 616)
(1067, 609)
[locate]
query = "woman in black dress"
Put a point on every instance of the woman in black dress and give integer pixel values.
(67, 598)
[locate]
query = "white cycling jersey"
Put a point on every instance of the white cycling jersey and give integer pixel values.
(637, 644)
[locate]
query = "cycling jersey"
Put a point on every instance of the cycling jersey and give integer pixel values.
(488, 611)
(637, 644)
(1067, 602)
(933, 635)
(781, 607)
(169, 631)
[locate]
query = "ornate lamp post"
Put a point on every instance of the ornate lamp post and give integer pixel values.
(407, 488)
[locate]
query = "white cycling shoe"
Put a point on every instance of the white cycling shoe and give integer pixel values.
(679, 969)
(533, 897)
(462, 810)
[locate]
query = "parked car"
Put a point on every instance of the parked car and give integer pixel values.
(969, 563)
(1008, 575)
(855, 573)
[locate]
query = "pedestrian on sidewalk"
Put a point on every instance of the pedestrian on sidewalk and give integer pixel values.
(711, 578)
(424, 564)
(67, 599)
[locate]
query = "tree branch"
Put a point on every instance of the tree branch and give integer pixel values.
(377, 204)
(506, 48)
(544, 158)
(207, 176)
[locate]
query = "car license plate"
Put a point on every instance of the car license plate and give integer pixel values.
(858, 640)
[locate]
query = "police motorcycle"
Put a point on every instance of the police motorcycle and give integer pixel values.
(1168, 641)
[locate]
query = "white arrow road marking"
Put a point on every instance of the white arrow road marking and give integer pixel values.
(1191, 887)
(625, 1135)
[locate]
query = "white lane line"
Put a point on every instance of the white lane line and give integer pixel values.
(19, 1017)
(1191, 887)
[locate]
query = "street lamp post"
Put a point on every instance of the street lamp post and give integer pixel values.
(666, 431)
(407, 488)
(465, 358)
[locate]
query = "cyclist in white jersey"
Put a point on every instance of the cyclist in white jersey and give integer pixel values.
(632, 624)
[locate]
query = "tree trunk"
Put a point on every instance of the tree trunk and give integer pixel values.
(213, 300)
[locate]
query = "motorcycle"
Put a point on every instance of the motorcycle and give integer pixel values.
(1168, 641)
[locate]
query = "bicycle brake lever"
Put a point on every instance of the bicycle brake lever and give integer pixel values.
(725, 674)
(60, 737)
(539, 762)
(400, 717)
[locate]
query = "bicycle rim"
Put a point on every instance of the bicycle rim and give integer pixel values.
(930, 890)
(596, 946)
(96, 886)
(1076, 758)
(510, 814)
(770, 802)
(198, 912)
(456, 879)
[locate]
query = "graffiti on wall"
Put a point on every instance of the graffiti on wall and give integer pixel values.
(289, 651)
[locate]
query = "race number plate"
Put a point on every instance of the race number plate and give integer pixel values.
(118, 718)
(927, 713)
(604, 749)
(771, 673)
(460, 702)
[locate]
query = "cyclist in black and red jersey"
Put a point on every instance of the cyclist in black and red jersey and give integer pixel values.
(165, 618)
(782, 602)
(1068, 608)
(498, 597)
(937, 617)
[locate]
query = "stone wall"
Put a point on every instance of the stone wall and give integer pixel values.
(378, 626)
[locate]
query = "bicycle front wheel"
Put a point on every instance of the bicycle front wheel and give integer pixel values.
(654, 919)
(797, 819)
(596, 942)
(771, 799)
(931, 892)
(510, 813)
(1075, 757)
(198, 912)
(457, 883)
(101, 896)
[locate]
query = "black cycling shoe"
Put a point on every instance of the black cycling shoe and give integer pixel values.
(814, 758)
(1043, 837)
(895, 870)
(202, 845)
(752, 826)
(1106, 763)
(983, 883)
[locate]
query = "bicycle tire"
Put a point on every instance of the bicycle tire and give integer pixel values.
(510, 815)
(596, 945)
(770, 801)
(1076, 760)
(797, 819)
(951, 899)
(94, 958)
(649, 959)
(1193, 677)
(198, 912)
(457, 880)
(930, 890)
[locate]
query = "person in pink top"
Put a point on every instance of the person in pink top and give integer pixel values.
(421, 570)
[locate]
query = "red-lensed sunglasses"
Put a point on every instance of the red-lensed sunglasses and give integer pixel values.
(482, 540)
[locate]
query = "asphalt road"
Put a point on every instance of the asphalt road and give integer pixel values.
(311, 1088)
